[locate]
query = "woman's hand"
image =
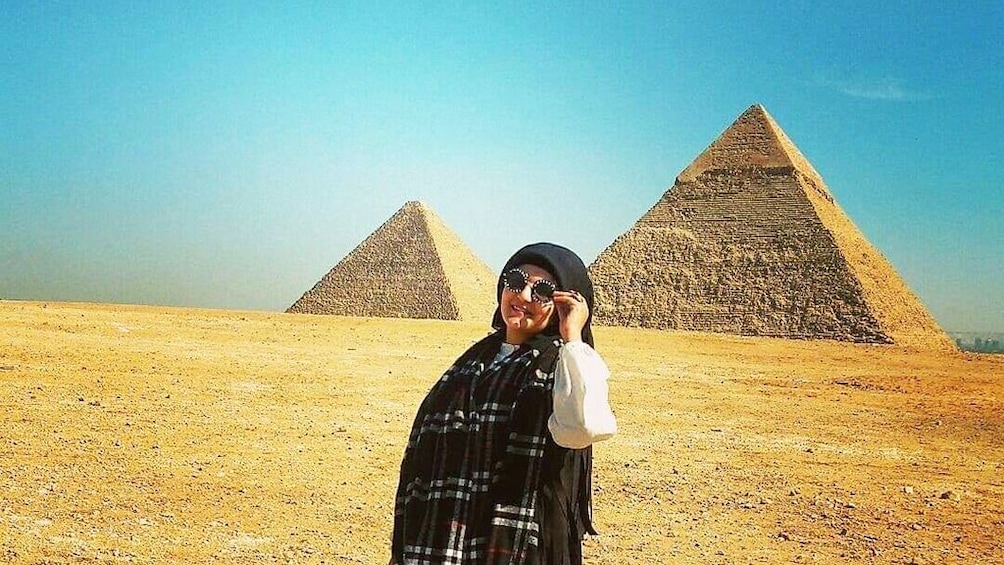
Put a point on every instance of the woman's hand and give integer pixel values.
(572, 314)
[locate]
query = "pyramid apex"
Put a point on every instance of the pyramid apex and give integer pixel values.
(416, 207)
(753, 140)
(758, 111)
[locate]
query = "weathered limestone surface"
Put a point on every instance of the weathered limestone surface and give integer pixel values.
(412, 266)
(750, 241)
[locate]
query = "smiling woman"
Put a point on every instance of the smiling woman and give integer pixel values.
(499, 460)
(529, 305)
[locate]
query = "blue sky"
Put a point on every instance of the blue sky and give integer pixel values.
(228, 156)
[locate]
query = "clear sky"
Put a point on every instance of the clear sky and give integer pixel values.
(227, 157)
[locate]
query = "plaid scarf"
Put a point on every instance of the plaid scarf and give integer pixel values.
(469, 482)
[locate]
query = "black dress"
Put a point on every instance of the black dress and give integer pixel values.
(563, 507)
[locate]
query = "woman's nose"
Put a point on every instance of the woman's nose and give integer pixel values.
(527, 293)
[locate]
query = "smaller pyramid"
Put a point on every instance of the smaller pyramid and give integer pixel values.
(412, 266)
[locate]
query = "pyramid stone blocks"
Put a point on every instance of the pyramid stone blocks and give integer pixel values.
(412, 266)
(750, 241)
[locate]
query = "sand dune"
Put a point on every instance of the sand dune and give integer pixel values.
(155, 435)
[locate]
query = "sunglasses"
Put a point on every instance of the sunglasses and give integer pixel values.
(515, 280)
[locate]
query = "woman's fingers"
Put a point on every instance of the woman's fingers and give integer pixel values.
(571, 303)
(568, 296)
(573, 311)
(568, 304)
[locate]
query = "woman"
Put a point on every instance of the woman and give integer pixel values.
(498, 464)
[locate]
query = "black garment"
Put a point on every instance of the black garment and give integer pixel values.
(563, 508)
(471, 477)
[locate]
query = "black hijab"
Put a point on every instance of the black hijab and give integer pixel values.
(568, 271)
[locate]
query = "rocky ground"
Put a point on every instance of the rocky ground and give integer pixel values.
(154, 435)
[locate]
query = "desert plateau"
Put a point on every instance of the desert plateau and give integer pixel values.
(165, 435)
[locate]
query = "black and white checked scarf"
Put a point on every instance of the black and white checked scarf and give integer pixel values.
(468, 489)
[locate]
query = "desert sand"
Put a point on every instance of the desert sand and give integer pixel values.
(158, 435)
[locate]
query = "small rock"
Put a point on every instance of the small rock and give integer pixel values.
(951, 495)
(908, 489)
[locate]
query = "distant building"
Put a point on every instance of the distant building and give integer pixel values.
(979, 342)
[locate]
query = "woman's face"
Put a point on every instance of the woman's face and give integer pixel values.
(525, 317)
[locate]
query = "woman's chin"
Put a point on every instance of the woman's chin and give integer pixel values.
(519, 327)
(515, 324)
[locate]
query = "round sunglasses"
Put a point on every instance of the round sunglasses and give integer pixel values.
(515, 280)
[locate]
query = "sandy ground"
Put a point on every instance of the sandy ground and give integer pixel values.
(153, 435)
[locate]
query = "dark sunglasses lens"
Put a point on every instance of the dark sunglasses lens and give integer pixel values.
(515, 280)
(544, 290)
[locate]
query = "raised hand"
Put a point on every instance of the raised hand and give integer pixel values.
(572, 314)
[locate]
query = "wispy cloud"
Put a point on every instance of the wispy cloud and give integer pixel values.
(887, 89)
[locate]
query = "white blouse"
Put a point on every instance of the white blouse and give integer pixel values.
(582, 414)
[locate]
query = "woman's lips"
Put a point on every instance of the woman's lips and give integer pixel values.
(517, 309)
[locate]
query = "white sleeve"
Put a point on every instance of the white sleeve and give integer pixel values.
(582, 414)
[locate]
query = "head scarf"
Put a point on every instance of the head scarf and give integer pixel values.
(569, 273)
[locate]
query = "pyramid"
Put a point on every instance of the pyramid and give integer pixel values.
(750, 241)
(412, 266)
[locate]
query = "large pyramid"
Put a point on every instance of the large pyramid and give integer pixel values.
(750, 241)
(412, 266)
